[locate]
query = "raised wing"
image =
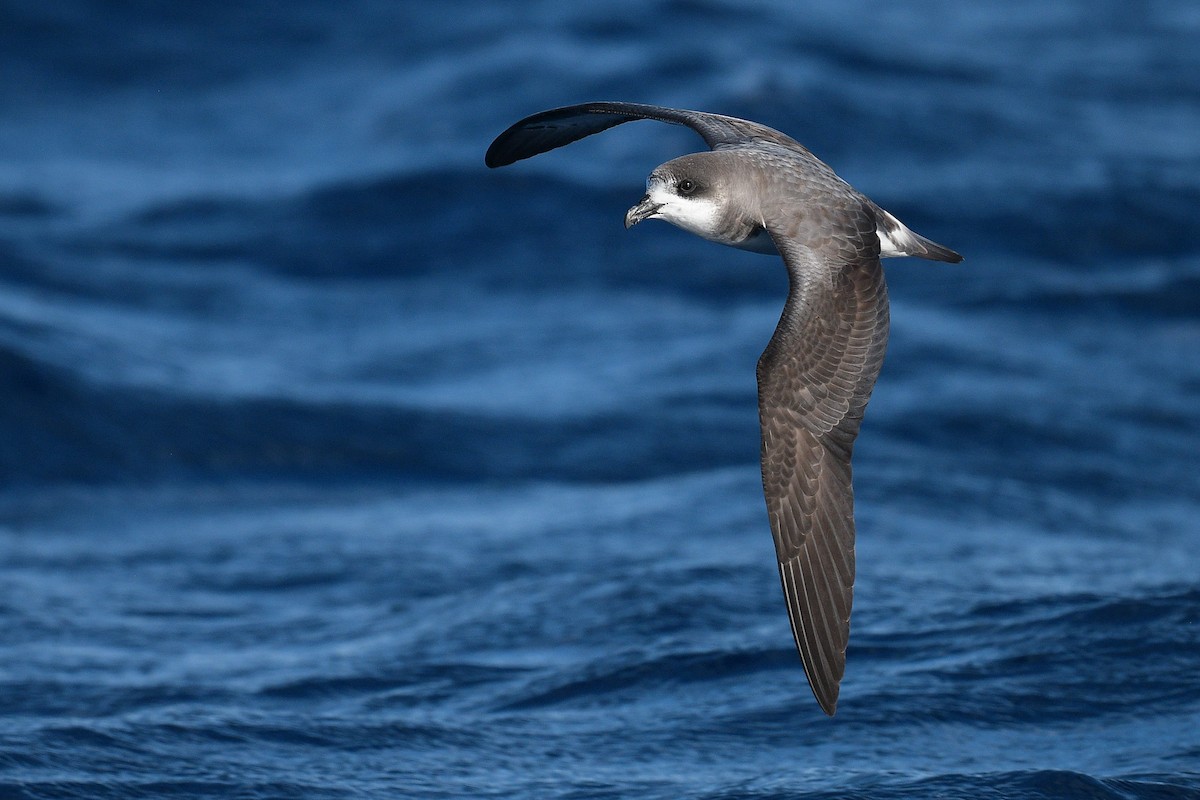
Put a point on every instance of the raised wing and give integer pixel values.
(561, 126)
(814, 380)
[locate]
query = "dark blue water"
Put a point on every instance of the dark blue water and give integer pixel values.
(335, 465)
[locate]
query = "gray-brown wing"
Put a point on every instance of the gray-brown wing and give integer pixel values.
(561, 126)
(814, 380)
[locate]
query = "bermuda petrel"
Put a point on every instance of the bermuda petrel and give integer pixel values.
(760, 190)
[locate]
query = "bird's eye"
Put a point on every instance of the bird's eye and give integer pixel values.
(686, 186)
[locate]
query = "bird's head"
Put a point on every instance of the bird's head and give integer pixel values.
(686, 192)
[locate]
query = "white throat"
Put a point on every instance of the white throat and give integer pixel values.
(696, 215)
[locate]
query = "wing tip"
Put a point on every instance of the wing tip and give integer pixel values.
(826, 695)
(507, 148)
(827, 704)
(517, 143)
(492, 158)
(826, 688)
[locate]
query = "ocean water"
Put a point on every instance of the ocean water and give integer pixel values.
(333, 464)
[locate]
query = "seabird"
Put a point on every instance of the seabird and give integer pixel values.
(757, 189)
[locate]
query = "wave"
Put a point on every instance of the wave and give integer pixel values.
(57, 426)
(1041, 659)
(1019, 785)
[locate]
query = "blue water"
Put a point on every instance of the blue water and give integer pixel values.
(335, 465)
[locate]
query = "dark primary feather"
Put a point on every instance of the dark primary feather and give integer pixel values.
(814, 380)
(561, 126)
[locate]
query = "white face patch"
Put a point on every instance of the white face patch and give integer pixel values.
(696, 215)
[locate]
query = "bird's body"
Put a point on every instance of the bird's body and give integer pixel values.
(759, 190)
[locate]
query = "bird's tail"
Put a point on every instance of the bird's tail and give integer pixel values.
(897, 240)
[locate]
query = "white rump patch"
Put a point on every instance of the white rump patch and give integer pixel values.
(894, 238)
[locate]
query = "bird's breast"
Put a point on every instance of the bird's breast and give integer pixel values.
(759, 241)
